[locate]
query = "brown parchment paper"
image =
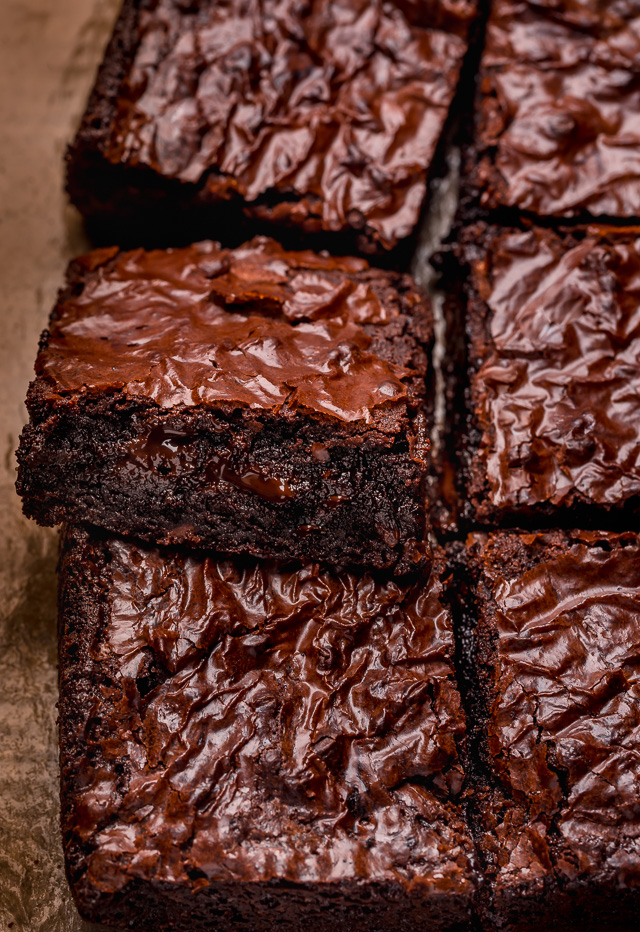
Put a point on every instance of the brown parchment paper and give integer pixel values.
(49, 51)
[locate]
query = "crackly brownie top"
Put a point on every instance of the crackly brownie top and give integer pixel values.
(255, 327)
(561, 613)
(332, 107)
(561, 106)
(253, 722)
(556, 335)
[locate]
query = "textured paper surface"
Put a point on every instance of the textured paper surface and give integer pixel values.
(48, 54)
(49, 50)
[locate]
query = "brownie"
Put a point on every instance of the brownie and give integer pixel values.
(322, 117)
(557, 648)
(247, 745)
(549, 430)
(253, 401)
(558, 125)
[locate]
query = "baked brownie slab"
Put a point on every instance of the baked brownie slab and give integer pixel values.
(552, 424)
(558, 131)
(249, 401)
(557, 654)
(249, 746)
(321, 116)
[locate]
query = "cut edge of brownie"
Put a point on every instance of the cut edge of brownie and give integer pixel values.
(381, 521)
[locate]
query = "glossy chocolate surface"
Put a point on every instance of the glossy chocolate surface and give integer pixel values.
(323, 114)
(559, 634)
(256, 328)
(254, 723)
(554, 346)
(559, 123)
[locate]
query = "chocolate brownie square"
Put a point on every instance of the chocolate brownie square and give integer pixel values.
(557, 653)
(550, 427)
(558, 128)
(250, 746)
(317, 116)
(254, 400)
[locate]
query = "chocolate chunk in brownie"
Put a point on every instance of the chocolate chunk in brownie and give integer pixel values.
(550, 429)
(557, 647)
(558, 129)
(252, 401)
(322, 116)
(246, 745)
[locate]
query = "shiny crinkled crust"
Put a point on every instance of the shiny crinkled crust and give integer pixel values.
(243, 723)
(554, 356)
(558, 648)
(255, 327)
(559, 109)
(324, 114)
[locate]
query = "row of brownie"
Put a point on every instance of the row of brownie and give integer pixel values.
(543, 373)
(250, 744)
(259, 402)
(172, 384)
(327, 117)
(544, 425)
(542, 274)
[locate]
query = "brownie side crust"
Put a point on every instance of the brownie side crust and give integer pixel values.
(252, 400)
(323, 116)
(246, 743)
(556, 646)
(558, 110)
(547, 429)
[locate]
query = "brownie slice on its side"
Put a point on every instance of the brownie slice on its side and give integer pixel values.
(558, 660)
(253, 401)
(245, 745)
(558, 125)
(322, 117)
(549, 431)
